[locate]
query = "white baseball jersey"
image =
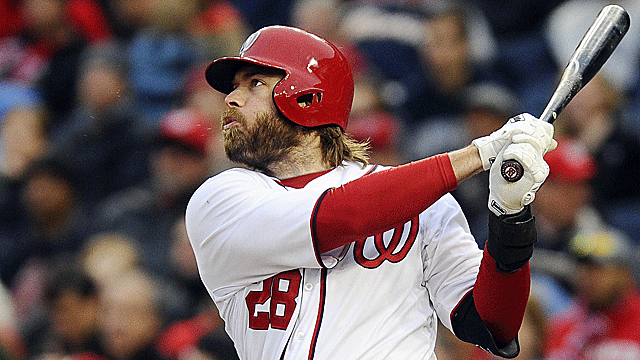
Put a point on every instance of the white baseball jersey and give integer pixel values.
(376, 298)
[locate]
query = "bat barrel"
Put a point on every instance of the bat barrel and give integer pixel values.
(597, 45)
(604, 35)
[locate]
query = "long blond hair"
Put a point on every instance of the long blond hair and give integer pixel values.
(337, 147)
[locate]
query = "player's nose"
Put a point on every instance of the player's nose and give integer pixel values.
(234, 98)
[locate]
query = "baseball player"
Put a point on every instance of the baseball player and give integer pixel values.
(310, 252)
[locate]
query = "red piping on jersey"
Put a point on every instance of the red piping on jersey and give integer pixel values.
(314, 231)
(323, 295)
(314, 234)
(379, 201)
(299, 182)
(372, 170)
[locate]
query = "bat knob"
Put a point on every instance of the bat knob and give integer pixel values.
(511, 170)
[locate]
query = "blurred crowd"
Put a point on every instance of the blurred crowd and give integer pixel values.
(107, 126)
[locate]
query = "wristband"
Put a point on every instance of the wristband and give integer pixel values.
(511, 239)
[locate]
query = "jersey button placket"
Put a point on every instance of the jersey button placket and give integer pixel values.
(308, 286)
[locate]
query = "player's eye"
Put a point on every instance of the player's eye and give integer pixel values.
(257, 82)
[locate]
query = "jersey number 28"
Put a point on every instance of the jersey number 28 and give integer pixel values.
(282, 289)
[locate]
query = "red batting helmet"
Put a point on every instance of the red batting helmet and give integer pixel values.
(318, 86)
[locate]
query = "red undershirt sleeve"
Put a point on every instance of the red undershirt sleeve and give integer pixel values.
(501, 298)
(380, 201)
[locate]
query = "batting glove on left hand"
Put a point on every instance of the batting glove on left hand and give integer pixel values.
(506, 198)
(524, 124)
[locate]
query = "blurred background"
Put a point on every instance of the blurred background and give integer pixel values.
(107, 126)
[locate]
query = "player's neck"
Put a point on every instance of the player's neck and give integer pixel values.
(302, 160)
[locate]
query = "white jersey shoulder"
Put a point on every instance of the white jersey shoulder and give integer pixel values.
(243, 215)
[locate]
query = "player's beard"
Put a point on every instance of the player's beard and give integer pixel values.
(268, 140)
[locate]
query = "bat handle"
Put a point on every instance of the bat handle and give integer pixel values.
(511, 170)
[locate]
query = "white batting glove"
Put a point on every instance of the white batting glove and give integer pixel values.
(507, 198)
(489, 146)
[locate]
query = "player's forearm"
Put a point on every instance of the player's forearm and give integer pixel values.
(502, 288)
(501, 298)
(465, 162)
(493, 314)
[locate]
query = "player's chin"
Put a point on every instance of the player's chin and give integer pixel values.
(235, 147)
(233, 135)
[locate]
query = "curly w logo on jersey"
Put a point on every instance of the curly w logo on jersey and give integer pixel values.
(392, 245)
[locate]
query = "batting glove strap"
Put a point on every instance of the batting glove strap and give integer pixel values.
(511, 239)
(469, 327)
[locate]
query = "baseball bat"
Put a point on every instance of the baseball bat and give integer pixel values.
(596, 46)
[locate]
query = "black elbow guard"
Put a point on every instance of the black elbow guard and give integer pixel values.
(511, 239)
(468, 326)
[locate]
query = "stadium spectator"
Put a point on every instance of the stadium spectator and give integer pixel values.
(563, 208)
(45, 52)
(23, 138)
(451, 68)
(160, 56)
(107, 255)
(72, 308)
(428, 54)
(596, 117)
(102, 140)
(54, 225)
(132, 317)
(602, 322)
(11, 342)
(179, 163)
(523, 55)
